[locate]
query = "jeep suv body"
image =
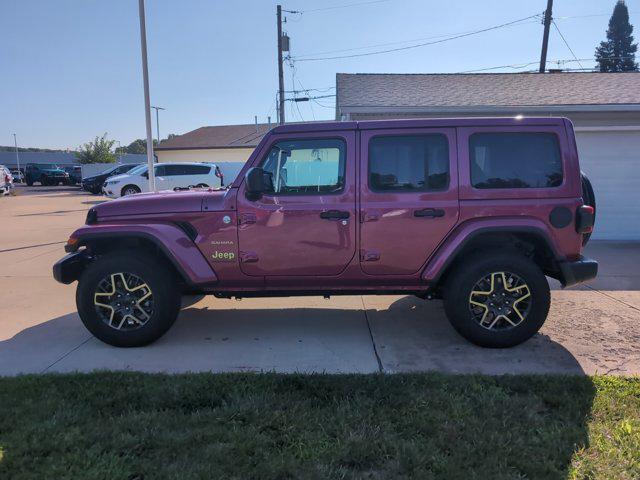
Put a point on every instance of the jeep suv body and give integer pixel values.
(46, 174)
(474, 211)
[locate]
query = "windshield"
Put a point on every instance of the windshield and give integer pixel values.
(48, 166)
(139, 170)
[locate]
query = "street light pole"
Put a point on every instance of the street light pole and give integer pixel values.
(15, 142)
(147, 102)
(157, 123)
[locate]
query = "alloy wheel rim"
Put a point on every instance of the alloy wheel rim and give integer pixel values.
(123, 301)
(500, 301)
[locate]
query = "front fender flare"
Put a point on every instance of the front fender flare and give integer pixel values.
(179, 249)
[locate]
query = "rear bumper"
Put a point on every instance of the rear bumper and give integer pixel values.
(578, 271)
(70, 267)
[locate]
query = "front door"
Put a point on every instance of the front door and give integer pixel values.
(409, 197)
(306, 223)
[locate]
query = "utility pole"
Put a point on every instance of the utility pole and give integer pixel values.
(15, 142)
(545, 38)
(158, 123)
(280, 73)
(147, 102)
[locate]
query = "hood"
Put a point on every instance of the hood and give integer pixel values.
(164, 202)
(116, 177)
(52, 170)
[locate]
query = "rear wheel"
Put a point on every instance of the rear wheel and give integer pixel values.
(130, 190)
(497, 299)
(127, 301)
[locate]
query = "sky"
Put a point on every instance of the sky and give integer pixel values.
(71, 69)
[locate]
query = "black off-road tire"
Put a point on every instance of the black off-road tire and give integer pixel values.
(29, 182)
(462, 280)
(159, 278)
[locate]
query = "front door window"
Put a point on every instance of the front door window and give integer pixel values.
(306, 167)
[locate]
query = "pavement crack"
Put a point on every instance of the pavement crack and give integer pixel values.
(613, 298)
(31, 246)
(67, 354)
(373, 342)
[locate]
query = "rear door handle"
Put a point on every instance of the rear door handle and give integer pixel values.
(334, 215)
(429, 212)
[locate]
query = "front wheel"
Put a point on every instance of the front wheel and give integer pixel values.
(130, 190)
(497, 299)
(127, 301)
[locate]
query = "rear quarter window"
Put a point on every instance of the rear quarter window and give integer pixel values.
(515, 160)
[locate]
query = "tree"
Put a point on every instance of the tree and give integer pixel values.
(98, 151)
(140, 145)
(617, 53)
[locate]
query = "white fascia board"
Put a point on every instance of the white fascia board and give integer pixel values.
(609, 128)
(484, 109)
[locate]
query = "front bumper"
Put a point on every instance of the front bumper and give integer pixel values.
(578, 271)
(70, 267)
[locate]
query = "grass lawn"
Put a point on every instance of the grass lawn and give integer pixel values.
(134, 426)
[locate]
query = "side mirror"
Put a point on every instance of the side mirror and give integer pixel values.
(254, 183)
(145, 174)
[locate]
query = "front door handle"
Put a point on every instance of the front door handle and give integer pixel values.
(429, 212)
(334, 215)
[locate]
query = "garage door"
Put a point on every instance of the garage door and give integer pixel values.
(611, 160)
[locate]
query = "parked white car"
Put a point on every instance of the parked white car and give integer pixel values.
(169, 176)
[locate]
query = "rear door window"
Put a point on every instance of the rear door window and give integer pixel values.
(409, 163)
(515, 160)
(195, 169)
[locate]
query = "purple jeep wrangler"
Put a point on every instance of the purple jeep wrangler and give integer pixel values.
(473, 211)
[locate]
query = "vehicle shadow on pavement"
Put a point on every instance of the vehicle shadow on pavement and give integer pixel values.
(407, 335)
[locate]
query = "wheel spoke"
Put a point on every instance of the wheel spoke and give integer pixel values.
(123, 301)
(499, 301)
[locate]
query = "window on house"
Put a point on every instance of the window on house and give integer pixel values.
(409, 163)
(306, 166)
(515, 160)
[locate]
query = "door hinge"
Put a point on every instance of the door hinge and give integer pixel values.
(248, 257)
(369, 256)
(247, 218)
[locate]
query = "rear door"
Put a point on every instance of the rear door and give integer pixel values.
(409, 197)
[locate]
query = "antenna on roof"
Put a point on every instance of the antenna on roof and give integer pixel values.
(269, 121)
(255, 117)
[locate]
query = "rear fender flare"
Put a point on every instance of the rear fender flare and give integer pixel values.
(447, 252)
(172, 241)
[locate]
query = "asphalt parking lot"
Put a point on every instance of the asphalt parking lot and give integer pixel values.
(591, 329)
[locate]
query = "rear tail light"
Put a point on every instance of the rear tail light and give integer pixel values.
(585, 219)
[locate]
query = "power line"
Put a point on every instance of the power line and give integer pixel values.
(566, 43)
(399, 42)
(475, 32)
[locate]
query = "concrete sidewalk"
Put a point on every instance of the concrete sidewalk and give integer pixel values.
(591, 329)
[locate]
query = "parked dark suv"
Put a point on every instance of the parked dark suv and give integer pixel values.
(94, 183)
(473, 211)
(46, 174)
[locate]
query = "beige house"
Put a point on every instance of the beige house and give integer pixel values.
(604, 108)
(217, 144)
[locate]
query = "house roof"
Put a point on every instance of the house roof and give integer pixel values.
(486, 89)
(220, 136)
